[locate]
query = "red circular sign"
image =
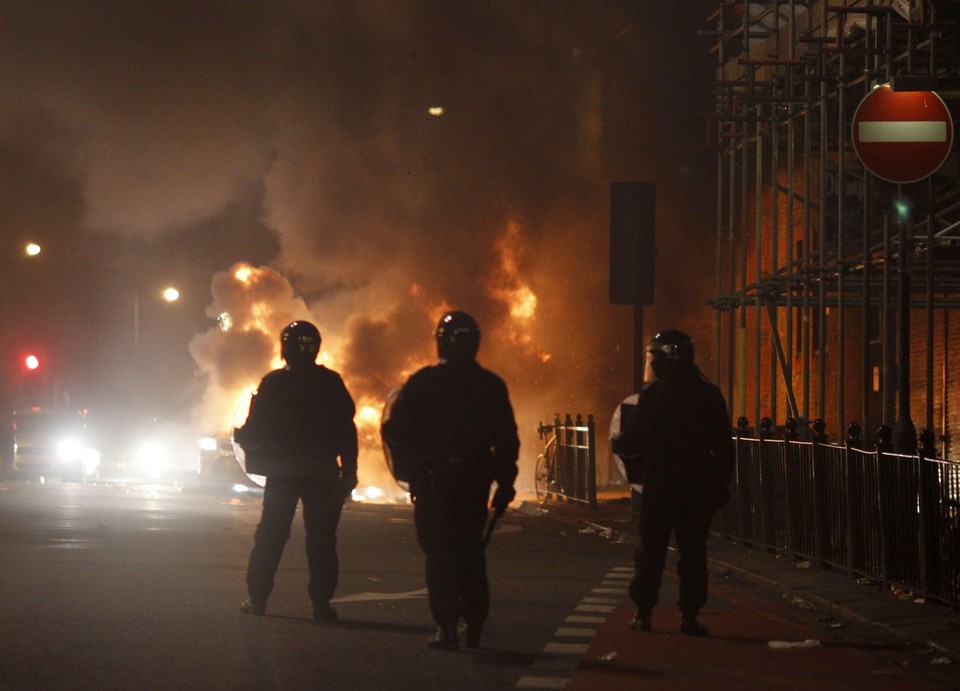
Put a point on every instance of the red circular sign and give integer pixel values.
(902, 136)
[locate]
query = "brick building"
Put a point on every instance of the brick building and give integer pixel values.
(837, 289)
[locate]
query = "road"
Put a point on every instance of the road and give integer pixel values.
(113, 586)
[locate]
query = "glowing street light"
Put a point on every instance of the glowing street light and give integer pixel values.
(170, 294)
(32, 249)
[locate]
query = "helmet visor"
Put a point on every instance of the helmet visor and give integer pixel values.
(670, 349)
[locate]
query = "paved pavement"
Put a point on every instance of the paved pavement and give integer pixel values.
(834, 595)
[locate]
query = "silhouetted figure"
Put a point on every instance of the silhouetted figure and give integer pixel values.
(452, 428)
(679, 437)
(300, 434)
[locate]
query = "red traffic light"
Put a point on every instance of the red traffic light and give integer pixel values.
(31, 362)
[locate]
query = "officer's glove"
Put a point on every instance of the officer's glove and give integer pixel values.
(502, 497)
(347, 485)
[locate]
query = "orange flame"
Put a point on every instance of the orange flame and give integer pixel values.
(507, 285)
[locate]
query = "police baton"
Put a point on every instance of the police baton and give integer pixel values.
(491, 524)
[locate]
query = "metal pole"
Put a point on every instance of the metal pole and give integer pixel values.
(904, 432)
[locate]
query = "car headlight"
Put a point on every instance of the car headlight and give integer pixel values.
(153, 458)
(69, 450)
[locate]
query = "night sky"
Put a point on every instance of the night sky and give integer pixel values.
(152, 143)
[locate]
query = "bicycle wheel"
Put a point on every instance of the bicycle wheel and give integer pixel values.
(545, 479)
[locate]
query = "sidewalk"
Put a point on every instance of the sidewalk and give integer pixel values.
(832, 593)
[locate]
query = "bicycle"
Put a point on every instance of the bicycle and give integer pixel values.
(546, 474)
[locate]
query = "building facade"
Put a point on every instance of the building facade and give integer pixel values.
(838, 283)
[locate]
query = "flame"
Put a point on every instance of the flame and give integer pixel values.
(507, 285)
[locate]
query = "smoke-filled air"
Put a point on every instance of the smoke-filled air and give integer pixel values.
(364, 165)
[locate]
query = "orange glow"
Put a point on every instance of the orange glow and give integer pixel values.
(524, 303)
(508, 285)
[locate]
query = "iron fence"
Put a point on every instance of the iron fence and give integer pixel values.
(891, 518)
(567, 469)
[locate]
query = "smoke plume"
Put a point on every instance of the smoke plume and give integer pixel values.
(368, 165)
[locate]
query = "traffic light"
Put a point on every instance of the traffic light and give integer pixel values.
(32, 379)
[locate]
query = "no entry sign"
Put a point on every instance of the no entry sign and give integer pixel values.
(902, 136)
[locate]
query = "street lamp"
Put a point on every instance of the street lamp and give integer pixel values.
(169, 294)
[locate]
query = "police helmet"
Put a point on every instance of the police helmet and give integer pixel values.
(672, 345)
(299, 343)
(458, 337)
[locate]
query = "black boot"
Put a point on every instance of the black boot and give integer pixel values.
(470, 633)
(689, 626)
(445, 638)
(253, 607)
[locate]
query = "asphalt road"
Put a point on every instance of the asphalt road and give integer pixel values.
(115, 586)
(124, 586)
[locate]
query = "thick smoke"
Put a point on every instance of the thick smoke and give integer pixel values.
(405, 158)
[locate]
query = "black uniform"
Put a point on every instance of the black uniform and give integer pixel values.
(300, 424)
(454, 425)
(681, 431)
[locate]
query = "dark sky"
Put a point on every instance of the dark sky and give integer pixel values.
(152, 143)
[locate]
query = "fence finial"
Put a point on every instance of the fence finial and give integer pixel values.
(928, 443)
(884, 441)
(766, 428)
(820, 431)
(854, 435)
(742, 425)
(790, 429)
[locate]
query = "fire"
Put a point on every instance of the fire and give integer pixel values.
(524, 303)
(507, 285)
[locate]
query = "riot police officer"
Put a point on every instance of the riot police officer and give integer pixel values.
(300, 434)
(454, 429)
(679, 437)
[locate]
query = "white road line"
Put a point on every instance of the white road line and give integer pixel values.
(377, 597)
(589, 611)
(567, 648)
(584, 619)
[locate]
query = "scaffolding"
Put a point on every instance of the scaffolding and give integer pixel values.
(836, 291)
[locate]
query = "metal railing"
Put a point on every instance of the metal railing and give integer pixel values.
(891, 518)
(567, 469)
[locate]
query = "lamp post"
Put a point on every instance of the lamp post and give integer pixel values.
(169, 294)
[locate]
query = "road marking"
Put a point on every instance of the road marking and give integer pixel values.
(584, 619)
(600, 601)
(375, 597)
(572, 632)
(567, 648)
